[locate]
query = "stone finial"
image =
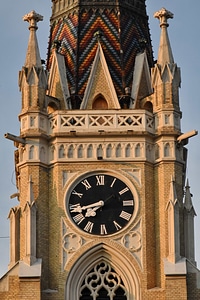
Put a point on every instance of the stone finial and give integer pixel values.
(33, 54)
(163, 15)
(33, 18)
(165, 55)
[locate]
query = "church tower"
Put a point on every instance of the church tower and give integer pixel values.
(105, 210)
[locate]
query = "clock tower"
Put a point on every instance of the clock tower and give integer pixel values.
(105, 210)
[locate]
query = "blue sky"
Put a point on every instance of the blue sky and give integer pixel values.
(185, 42)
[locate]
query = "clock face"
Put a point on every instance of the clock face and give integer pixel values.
(100, 204)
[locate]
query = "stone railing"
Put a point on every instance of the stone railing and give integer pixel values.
(90, 121)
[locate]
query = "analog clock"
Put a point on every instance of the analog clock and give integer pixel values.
(100, 204)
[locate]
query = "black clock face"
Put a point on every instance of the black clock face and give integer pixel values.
(100, 204)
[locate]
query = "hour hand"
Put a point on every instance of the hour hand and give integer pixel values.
(94, 205)
(79, 209)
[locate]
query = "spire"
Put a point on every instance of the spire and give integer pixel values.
(124, 28)
(166, 77)
(33, 54)
(188, 205)
(165, 52)
(33, 77)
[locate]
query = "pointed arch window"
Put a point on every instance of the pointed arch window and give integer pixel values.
(167, 150)
(31, 152)
(128, 150)
(70, 152)
(138, 150)
(80, 151)
(100, 151)
(102, 273)
(90, 151)
(109, 151)
(61, 151)
(119, 150)
(42, 154)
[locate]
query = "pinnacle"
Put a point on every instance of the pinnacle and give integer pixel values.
(33, 55)
(165, 52)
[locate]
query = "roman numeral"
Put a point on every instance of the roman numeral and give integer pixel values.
(126, 189)
(128, 203)
(78, 218)
(74, 207)
(89, 226)
(117, 226)
(100, 180)
(77, 194)
(86, 184)
(113, 182)
(125, 215)
(103, 229)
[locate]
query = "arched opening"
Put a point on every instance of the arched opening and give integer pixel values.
(90, 151)
(128, 151)
(102, 273)
(167, 150)
(109, 151)
(119, 150)
(148, 106)
(70, 152)
(80, 151)
(61, 152)
(137, 150)
(100, 103)
(51, 107)
(31, 152)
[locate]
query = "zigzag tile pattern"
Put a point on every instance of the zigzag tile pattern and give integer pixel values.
(65, 30)
(133, 30)
(120, 41)
(106, 22)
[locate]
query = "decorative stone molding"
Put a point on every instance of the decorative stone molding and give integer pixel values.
(71, 242)
(132, 240)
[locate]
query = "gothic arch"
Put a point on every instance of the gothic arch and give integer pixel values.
(61, 151)
(167, 150)
(31, 152)
(100, 102)
(109, 151)
(138, 150)
(90, 151)
(105, 254)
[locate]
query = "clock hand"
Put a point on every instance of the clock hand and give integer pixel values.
(107, 199)
(79, 209)
(91, 212)
(96, 204)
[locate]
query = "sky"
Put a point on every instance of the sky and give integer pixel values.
(185, 42)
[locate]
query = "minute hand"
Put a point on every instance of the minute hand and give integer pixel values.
(107, 199)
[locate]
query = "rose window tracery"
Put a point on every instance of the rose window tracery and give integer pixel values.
(103, 283)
